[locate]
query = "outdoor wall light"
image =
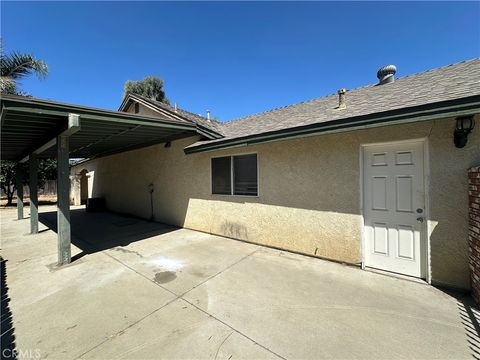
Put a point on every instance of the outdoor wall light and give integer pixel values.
(150, 190)
(463, 127)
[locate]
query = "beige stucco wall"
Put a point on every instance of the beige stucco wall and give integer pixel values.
(309, 193)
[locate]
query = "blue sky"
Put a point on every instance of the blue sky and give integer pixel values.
(233, 58)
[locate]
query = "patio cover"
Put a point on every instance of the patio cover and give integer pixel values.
(33, 128)
(30, 125)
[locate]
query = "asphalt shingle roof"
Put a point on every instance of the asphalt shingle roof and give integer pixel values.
(446, 83)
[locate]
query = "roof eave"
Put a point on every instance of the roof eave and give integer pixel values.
(39, 106)
(457, 107)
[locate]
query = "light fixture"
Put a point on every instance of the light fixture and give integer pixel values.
(463, 127)
(150, 188)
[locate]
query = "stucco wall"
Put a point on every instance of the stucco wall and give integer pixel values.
(309, 193)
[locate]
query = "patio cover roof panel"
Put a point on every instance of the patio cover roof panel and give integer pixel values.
(27, 124)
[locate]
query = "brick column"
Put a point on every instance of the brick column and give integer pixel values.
(474, 230)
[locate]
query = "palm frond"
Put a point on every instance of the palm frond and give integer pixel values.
(7, 85)
(16, 66)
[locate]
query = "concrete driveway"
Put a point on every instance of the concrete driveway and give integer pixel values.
(142, 290)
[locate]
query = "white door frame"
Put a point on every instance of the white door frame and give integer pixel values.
(427, 225)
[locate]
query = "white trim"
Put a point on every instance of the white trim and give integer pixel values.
(362, 217)
(428, 229)
(426, 183)
(231, 156)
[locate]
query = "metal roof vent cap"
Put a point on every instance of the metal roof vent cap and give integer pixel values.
(341, 99)
(386, 74)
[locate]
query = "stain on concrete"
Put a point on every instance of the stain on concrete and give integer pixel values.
(199, 274)
(55, 267)
(128, 251)
(164, 277)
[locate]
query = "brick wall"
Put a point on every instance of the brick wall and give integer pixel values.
(474, 233)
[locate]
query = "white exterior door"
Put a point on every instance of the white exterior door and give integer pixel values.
(394, 207)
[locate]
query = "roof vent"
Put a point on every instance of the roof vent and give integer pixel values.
(341, 99)
(386, 74)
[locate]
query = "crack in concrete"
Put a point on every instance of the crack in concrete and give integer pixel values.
(180, 297)
(177, 297)
(221, 344)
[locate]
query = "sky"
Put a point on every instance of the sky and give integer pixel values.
(234, 58)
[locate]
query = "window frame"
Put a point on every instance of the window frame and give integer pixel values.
(232, 183)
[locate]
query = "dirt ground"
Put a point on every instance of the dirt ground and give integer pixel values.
(42, 200)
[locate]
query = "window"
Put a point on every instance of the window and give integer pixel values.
(235, 175)
(137, 108)
(245, 175)
(222, 176)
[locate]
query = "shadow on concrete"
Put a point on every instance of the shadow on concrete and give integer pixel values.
(470, 317)
(7, 330)
(98, 231)
(470, 320)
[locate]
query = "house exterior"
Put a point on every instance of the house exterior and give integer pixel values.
(369, 176)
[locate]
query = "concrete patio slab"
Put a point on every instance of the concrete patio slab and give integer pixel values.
(141, 290)
(183, 259)
(186, 256)
(186, 333)
(339, 311)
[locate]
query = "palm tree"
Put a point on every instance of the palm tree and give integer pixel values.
(15, 66)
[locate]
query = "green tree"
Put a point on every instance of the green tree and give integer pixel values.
(47, 170)
(7, 179)
(16, 66)
(151, 87)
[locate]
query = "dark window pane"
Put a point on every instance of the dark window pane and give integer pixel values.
(221, 176)
(137, 108)
(245, 175)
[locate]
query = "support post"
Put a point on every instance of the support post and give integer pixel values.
(63, 201)
(33, 185)
(19, 186)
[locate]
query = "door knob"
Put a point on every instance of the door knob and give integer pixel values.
(420, 219)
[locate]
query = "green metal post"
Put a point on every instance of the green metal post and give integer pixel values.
(33, 170)
(19, 186)
(63, 201)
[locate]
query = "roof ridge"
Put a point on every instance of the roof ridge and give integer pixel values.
(274, 109)
(353, 89)
(172, 109)
(439, 68)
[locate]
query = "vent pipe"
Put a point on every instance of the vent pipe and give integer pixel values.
(341, 99)
(386, 74)
(208, 114)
